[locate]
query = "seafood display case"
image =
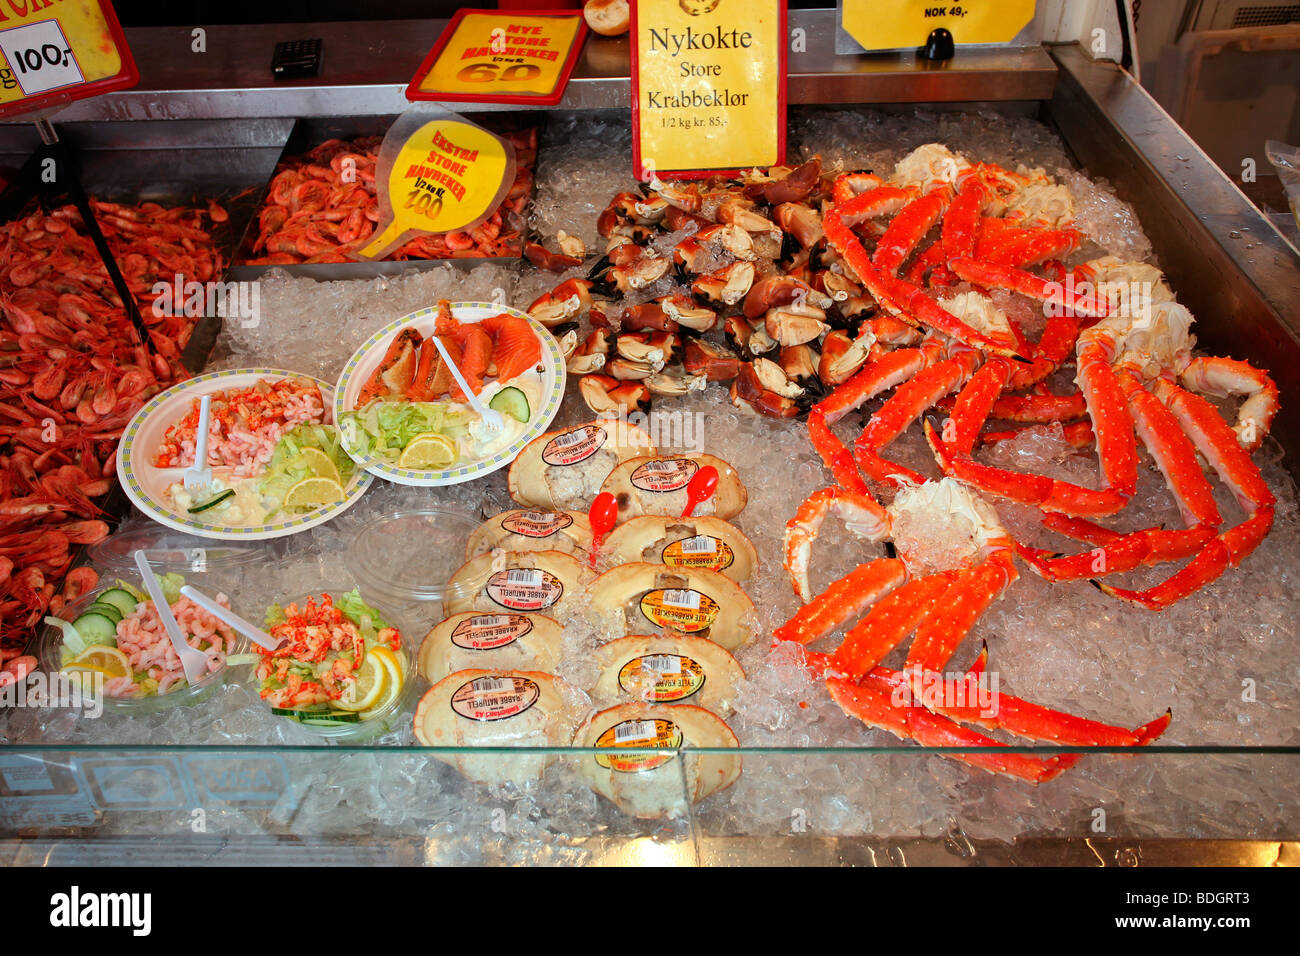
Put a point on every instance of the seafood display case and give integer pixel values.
(220, 776)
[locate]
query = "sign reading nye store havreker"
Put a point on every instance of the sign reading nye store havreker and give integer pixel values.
(708, 86)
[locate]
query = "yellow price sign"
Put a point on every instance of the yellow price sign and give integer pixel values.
(501, 56)
(894, 24)
(55, 51)
(442, 175)
(708, 85)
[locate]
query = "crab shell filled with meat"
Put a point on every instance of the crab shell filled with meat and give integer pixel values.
(658, 485)
(565, 469)
(499, 708)
(507, 641)
(667, 669)
(696, 542)
(649, 785)
(688, 600)
(524, 581)
(524, 530)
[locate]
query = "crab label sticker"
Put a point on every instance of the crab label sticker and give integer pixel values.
(495, 698)
(574, 446)
(661, 678)
(524, 589)
(665, 474)
(657, 733)
(701, 551)
(685, 609)
(486, 632)
(537, 524)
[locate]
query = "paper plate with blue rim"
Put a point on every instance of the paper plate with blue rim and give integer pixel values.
(477, 452)
(148, 485)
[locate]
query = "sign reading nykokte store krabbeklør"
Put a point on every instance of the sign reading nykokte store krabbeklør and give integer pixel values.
(708, 86)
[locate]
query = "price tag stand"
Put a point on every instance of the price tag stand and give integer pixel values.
(502, 56)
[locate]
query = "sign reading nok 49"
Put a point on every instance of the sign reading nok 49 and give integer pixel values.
(708, 86)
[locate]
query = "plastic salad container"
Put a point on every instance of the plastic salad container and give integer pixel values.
(210, 567)
(410, 556)
(301, 681)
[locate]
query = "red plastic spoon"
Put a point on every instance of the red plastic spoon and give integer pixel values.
(603, 516)
(702, 485)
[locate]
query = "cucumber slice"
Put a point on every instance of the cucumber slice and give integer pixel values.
(96, 628)
(220, 496)
(121, 599)
(323, 717)
(108, 610)
(330, 719)
(513, 402)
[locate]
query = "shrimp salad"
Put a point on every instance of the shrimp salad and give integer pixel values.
(120, 638)
(263, 442)
(244, 425)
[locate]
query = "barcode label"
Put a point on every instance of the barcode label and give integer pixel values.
(572, 438)
(663, 663)
(687, 599)
(701, 544)
(631, 730)
(529, 577)
(491, 620)
(494, 685)
(540, 517)
(667, 465)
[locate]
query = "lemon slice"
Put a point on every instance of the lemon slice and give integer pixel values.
(104, 658)
(313, 493)
(85, 675)
(319, 463)
(395, 665)
(372, 683)
(428, 452)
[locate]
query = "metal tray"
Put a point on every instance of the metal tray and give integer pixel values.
(308, 133)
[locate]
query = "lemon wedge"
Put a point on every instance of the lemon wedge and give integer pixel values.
(372, 684)
(319, 463)
(111, 661)
(428, 452)
(395, 665)
(313, 493)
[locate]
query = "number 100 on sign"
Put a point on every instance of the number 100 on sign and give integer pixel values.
(39, 57)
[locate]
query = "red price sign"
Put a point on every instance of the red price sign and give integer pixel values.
(55, 51)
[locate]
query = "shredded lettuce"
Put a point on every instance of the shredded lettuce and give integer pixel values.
(132, 590)
(274, 615)
(367, 619)
(383, 429)
(286, 467)
(171, 584)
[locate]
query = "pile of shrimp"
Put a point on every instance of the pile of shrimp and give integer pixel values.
(143, 639)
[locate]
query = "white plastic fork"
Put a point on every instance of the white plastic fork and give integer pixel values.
(193, 661)
(489, 416)
(199, 476)
(250, 631)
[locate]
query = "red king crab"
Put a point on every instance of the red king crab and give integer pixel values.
(1137, 379)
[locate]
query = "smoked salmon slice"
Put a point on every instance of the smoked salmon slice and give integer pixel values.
(515, 348)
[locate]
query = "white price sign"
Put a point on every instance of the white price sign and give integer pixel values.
(40, 57)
